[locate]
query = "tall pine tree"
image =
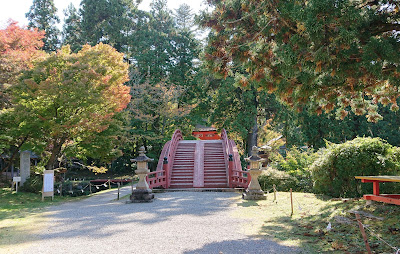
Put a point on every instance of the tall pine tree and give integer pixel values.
(43, 16)
(72, 32)
(337, 54)
(107, 21)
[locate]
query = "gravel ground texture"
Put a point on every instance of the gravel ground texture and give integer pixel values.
(175, 222)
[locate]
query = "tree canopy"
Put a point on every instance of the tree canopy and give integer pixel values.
(70, 99)
(107, 21)
(72, 31)
(43, 16)
(334, 54)
(18, 48)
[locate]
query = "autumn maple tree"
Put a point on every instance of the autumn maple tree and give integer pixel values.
(69, 101)
(333, 54)
(18, 48)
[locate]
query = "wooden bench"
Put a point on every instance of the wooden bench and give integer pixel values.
(376, 196)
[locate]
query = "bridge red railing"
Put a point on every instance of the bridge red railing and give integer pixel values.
(162, 176)
(237, 177)
(158, 178)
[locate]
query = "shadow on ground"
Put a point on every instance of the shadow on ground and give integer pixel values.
(249, 246)
(90, 216)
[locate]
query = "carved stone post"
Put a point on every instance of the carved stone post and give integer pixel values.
(25, 166)
(142, 193)
(254, 191)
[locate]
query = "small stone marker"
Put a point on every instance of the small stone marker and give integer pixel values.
(25, 165)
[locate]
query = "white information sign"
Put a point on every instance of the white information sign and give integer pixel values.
(48, 184)
(16, 180)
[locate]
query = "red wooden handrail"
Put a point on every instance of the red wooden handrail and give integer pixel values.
(237, 177)
(158, 178)
(171, 153)
(162, 175)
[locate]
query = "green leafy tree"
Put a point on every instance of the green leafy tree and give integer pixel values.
(71, 100)
(342, 54)
(43, 16)
(241, 110)
(153, 43)
(185, 53)
(155, 111)
(184, 18)
(72, 32)
(107, 21)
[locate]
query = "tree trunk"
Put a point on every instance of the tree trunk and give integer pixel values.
(252, 137)
(54, 154)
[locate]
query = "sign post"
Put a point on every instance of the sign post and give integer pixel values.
(48, 184)
(16, 180)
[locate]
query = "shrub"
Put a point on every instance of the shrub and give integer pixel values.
(76, 188)
(295, 166)
(334, 170)
(281, 179)
(33, 184)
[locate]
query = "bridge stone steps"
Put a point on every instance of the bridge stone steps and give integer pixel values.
(215, 168)
(183, 167)
(199, 164)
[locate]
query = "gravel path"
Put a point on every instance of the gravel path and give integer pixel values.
(176, 222)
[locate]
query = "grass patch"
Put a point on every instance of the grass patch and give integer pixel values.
(307, 228)
(21, 217)
(18, 205)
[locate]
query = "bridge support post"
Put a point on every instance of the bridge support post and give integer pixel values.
(230, 168)
(254, 191)
(142, 193)
(166, 172)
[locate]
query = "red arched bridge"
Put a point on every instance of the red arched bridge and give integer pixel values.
(199, 164)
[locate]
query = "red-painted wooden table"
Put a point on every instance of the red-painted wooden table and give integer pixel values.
(376, 196)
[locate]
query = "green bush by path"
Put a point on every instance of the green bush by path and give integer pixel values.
(334, 170)
(290, 171)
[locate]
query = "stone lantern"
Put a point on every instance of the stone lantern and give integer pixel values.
(142, 193)
(254, 191)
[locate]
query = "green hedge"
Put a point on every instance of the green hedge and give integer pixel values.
(290, 171)
(281, 179)
(334, 170)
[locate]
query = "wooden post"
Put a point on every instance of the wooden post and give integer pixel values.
(230, 168)
(274, 187)
(375, 186)
(60, 189)
(118, 184)
(363, 233)
(166, 172)
(291, 201)
(132, 183)
(90, 187)
(109, 184)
